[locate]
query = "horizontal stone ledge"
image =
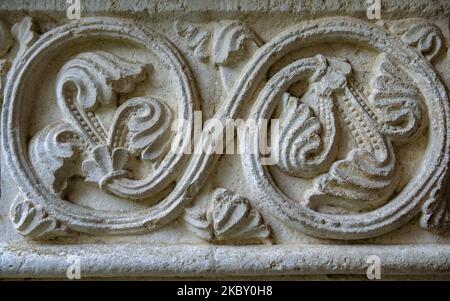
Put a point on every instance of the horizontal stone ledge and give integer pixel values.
(306, 8)
(128, 260)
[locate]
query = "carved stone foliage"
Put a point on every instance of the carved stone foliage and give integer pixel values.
(419, 33)
(231, 219)
(357, 196)
(33, 221)
(342, 129)
(115, 142)
(140, 127)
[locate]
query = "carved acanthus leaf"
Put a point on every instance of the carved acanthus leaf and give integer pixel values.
(395, 101)
(426, 37)
(54, 152)
(356, 183)
(436, 209)
(140, 126)
(143, 125)
(231, 219)
(230, 44)
(26, 33)
(99, 76)
(198, 39)
(33, 221)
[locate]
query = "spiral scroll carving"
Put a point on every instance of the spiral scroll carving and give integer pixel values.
(339, 137)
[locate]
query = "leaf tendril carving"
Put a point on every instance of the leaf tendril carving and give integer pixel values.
(140, 126)
(368, 176)
(426, 37)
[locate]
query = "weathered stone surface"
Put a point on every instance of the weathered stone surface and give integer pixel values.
(116, 146)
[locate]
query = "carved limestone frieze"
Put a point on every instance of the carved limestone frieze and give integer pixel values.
(106, 129)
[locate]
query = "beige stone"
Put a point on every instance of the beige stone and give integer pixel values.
(99, 115)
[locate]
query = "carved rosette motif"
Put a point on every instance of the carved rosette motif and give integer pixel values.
(401, 99)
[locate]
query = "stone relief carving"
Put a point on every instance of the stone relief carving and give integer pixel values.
(139, 128)
(198, 39)
(354, 181)
(368, 172)
(33, 221)
(231, 42)
(418, 33)
(231, 219)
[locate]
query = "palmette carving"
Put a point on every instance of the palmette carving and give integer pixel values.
(368, 176)
(308, 143)
(396, 102)
(379, 116)
(302, 152)
(231, 219)
(103, 166)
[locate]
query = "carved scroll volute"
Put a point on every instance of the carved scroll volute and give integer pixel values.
(420, 34)
(356, 196)
(115, 142)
